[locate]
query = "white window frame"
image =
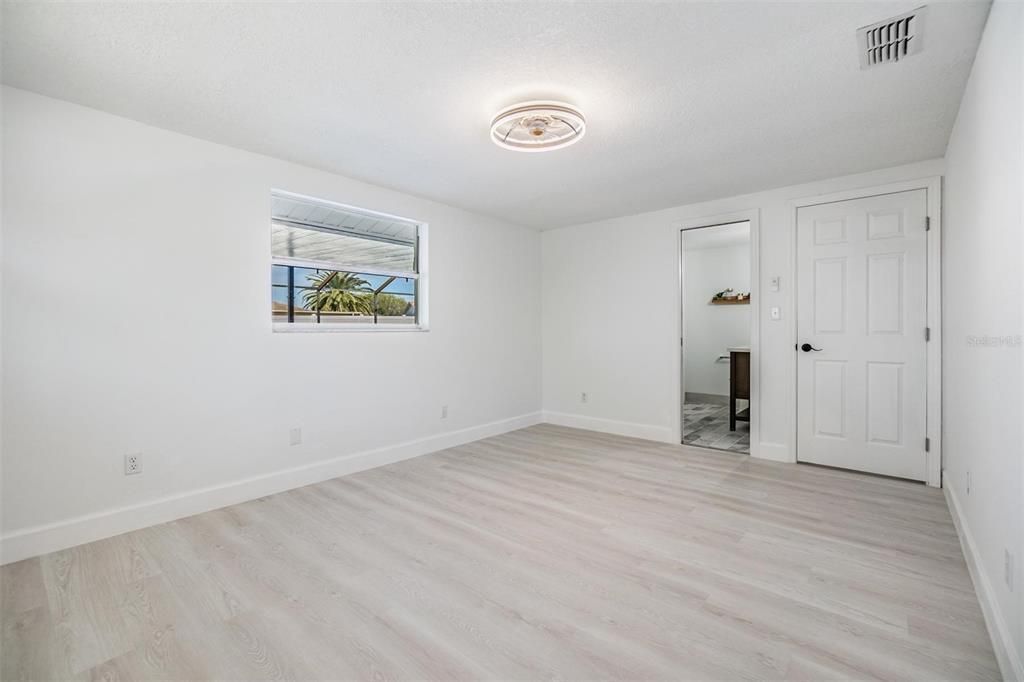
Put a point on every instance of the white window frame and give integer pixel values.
(422, 323)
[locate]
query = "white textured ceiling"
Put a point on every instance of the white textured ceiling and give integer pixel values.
(684, 101)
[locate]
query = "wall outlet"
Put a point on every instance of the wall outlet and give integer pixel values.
(133, 464)
(776, 313)
(1008, 569)
(968, 482)
(444, 412)
(583, 397)
(295, 436)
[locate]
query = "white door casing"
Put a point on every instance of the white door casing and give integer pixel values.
(862, 295)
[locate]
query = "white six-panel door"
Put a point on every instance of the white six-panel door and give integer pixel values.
(862, 300)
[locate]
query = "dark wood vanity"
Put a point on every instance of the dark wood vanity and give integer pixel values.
(739, 385)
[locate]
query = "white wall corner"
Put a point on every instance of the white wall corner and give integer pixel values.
(661, 434)
(1002, 639)
(37, 540)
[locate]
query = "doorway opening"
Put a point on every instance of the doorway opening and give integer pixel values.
(716, 336)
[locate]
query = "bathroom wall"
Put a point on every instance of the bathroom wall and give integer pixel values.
(710, 329)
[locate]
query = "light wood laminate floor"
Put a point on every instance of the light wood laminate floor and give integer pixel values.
(545, 553)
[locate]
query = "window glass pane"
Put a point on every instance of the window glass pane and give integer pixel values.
(398, 286)
(298, 210)
(279, 274)
(400, 293)
(330, 291)
(308, 229)
(376, 281)
(279, 304)
(292, 241)
(394, 305)
(305, 277)
(331, 297)
(339, 318)
(279, 295)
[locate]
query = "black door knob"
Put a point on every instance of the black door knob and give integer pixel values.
(807, 348)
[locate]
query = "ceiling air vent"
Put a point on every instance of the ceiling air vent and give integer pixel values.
(891, 40)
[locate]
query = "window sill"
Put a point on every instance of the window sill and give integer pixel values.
(300, 328)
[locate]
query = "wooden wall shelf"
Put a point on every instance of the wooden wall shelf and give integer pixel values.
(730, 301)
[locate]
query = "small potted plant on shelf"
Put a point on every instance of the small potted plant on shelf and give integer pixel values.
(730, 296)
(725, 295)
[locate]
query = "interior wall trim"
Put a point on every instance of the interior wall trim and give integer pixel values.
(998, 630)
(662, 434)
(42, 539)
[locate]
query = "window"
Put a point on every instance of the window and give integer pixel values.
(344, 268)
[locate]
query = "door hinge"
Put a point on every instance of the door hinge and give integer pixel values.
(927, 444)
(927, 333)
(927, 223)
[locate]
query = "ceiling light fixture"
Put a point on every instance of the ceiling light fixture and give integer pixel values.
(538, 126)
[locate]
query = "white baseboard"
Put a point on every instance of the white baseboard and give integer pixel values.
(51, 537)
(776, 452)
(1002, 640)
(578, 421)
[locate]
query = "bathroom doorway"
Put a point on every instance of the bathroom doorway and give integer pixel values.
(716, 336)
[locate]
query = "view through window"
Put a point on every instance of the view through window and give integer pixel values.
(337, 265)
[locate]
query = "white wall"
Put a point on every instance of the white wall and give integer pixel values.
(611, 313)
(711, 329)
(983, 368)
(136, 309)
